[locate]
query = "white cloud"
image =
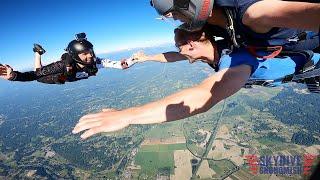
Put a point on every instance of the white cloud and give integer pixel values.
(140, 44)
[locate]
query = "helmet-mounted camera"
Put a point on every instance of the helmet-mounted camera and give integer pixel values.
(81, 36)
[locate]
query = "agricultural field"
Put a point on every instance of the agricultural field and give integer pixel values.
(155, 159)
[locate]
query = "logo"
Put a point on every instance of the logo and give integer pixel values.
(82, 75)
(281, 164)
(204, 10)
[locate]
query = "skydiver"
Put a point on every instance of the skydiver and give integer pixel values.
(79, 62)
(234, 69)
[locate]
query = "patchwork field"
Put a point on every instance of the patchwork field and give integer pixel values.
(183, 168)
(155, 159)
(205, 172)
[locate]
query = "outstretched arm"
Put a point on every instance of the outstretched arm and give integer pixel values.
(6, 72)
(266, 14)
(181, 105)
(163, 57)
(51, 71)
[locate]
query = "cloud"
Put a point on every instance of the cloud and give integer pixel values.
(134, 45)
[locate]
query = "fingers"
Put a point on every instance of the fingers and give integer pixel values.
(108, 110)
(124, 64)
(3, 67)
(89, 121)
(9, 69)
(92, 127)
(7, 66)
(3, 70)
(90, 133)
(89, 117)
(137, 55)
(103, 128)
(3, 74)
(93, 117)
(106, 121)
(84, 126)
(140, 57)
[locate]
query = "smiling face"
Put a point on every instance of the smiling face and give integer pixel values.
(87, 56)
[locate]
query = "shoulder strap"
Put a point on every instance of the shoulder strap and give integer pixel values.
(231, 28)
(274, 51)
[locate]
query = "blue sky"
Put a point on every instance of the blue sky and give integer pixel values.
(110, 25)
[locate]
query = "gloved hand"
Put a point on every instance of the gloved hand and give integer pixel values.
(6, 72)
(126, 63)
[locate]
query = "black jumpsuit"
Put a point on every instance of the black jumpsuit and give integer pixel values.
(56, 73)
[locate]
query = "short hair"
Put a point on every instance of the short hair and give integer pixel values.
(181, 36)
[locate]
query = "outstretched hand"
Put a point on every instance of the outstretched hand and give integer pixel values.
(140, 56)
(124, 64)
(108, 120)
(6, 72)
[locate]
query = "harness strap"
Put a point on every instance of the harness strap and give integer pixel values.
(275, 45)
(309, 74)
(275, 51)
(230, 28)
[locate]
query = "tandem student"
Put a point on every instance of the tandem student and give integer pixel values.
(234, 69)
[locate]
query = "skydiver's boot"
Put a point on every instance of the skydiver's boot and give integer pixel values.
(313, 83)
(37, 48)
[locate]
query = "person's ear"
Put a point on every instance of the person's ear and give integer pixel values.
(192, 44)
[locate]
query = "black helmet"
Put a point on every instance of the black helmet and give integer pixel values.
(80, 45)
(197, 11)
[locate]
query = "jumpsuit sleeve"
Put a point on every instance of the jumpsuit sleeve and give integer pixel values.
(24, 76)
(49, 74)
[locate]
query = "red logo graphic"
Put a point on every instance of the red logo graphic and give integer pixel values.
(308, 161)
(281, 164)
(253, 163)
(205, 8)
